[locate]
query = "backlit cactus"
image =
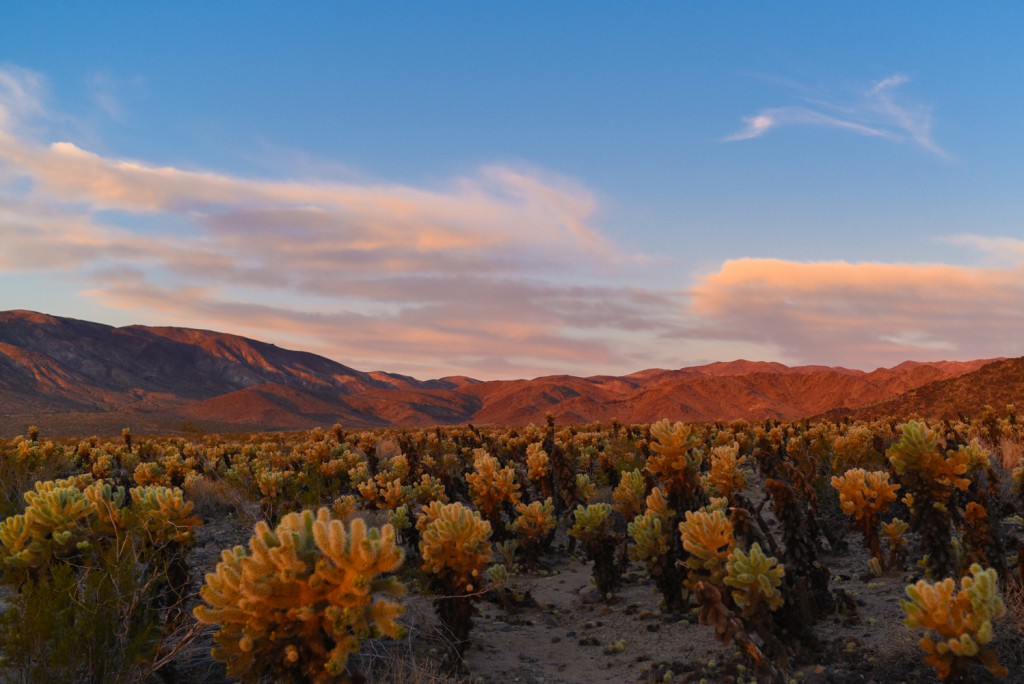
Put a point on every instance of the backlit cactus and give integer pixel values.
(84, 556)
(654, 545)
(455, 544)
(958, 623)
(295, 605)
(755, 580)
(491, 487)
(865, 495)
(629, 494)
(676, 463)
(586, 490)
(896, 542)
(538, 468)
(708, 538)
(929, 479)
(918, 454)
(595, 529)
(534, 527)
(167, 516)
(455, 548)
(726, 476)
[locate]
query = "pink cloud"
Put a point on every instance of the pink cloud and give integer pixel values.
(863, 314)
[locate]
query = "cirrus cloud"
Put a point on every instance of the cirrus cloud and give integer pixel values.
(876, 112)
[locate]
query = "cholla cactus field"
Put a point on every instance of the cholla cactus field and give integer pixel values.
(740, 552)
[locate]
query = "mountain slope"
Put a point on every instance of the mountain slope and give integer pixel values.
(996, 384)
(75, 376)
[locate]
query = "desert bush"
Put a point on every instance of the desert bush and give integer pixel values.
(98, 580)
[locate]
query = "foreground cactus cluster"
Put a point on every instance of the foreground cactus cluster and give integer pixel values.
(296, 603)
(959, 623)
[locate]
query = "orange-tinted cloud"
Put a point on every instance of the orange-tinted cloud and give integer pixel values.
(501, 268)
(864, 314)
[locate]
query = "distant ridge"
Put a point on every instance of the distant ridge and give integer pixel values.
(995, 384)
(75, 377)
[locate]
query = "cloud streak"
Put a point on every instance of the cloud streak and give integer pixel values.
(867, 314)
(502, 267)
(501, 272)
(876, 112)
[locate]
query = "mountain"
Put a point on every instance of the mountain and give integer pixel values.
(76, 377)
(995, 384)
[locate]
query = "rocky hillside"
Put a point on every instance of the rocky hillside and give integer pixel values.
(77, 377)
(996, 384)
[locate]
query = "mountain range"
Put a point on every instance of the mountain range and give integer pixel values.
(73, 377)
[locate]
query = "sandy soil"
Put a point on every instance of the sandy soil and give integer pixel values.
(565, 633)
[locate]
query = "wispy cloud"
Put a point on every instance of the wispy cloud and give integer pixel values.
(876, 112)
(501, 272)
(502, 263)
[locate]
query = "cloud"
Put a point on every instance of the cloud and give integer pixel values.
(501, 263)
(866, 314)
(525, 332)
(501, 272)
(876, 112)
(21, 96)
(1006, 250)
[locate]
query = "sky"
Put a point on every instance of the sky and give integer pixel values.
(509, 190)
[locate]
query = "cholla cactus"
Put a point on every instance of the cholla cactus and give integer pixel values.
(726, 476)
(865, 495)
(595, 529)
(455, 547)
(586, 490)
(428, 489)
(917, 455)
(755, 580)
(853, 448)
(959, 623)
(393, 494)
(657, 503)
(81, 562)
(708, 537)
(929, 479)
(538, 468)
(167, 516)
(893, 532)
(676, 464)
(629, 494)
(58, 518)
(652, 539)
(655, 547)
(294, 606)
(979, 543)
(490, 487)
(344, 507)
(534, 527)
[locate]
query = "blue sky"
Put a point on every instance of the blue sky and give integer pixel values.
(514, 189)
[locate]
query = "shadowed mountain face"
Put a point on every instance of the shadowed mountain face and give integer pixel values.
(996, 384)
(76, 377)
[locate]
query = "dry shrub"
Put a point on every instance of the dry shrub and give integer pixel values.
(214, 499)
(1010, 453)
(1010, 636)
